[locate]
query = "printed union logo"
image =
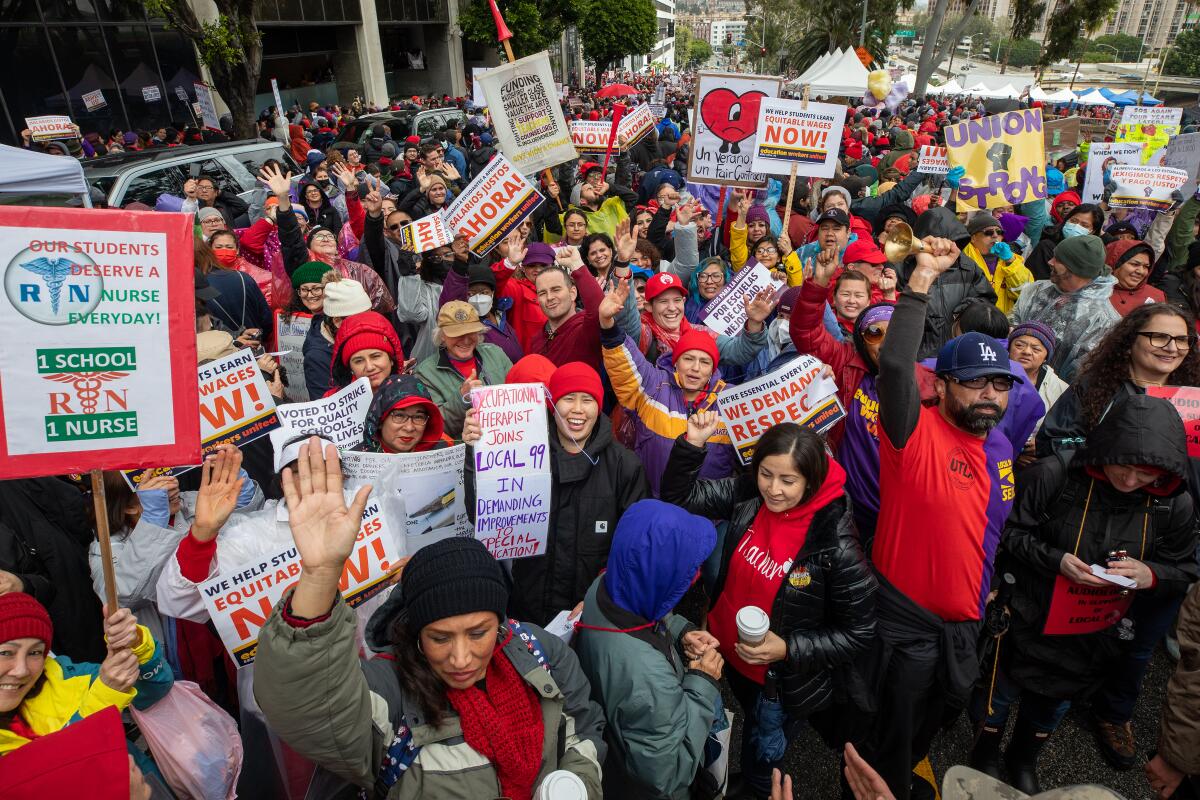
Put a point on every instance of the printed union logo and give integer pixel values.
(52, 288)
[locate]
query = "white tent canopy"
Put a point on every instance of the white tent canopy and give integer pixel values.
(29, 172)
(1008, 91)
(1094, 98)
(816, 68)
(1061, 96)
(953, 87)
(844, 76)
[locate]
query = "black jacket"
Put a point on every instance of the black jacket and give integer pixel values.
(829, 623)
(327, 216)
(233, 209)
(1049, 520)
(586, 500)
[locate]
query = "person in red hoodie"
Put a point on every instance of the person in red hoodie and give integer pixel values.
(515, 275)
(1130, 261)
(403, 418)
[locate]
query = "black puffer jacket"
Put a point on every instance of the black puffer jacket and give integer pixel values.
(586, 500)
(954, 287)
(829, 623)
(1063, 509)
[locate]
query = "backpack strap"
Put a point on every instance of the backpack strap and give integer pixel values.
(1067, 492)
(400, 755)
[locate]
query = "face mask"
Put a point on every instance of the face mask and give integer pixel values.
(227, 258)
(778, 332)
(482, 303)
(1070, 229)
(323, 183)
(435, 269)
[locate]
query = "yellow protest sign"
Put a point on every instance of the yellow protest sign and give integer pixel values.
(1004, 156)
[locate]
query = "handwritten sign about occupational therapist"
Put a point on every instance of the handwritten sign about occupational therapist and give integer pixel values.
(1186, 400)
(796, 392)
(1004, 156)
(98, 363)
(792, 133)
(1145, 187)
(523, 101)
(726, 312)
(240, 602)
(338, 418)
(726, 128)
(493, 205)
(512, 469)
(1076, 609)
(426, 233)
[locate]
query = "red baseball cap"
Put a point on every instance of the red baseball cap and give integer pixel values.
(662, 282)
(863, 250)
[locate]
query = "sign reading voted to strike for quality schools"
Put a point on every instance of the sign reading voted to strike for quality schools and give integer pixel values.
(933, 160)
(512, 469)
(338, 418)
(1183, 152)
(236, 406)
(590, 136)
(791, 134)
(493, 205)
(1145, 187)
(241, 601)
(208, 109)
(1186, 400)
(98, 365)
(726, 126)
(426, 233)
(53, 126)
(523, 101)
(1004, 156)
(634, 125)
(290, 333)
(726, 312)
(795, 392)
(1102, 157)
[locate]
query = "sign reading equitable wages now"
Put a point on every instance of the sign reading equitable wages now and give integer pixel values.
(791, 134)
(492, 205)
(591, 136)
(1004, 156)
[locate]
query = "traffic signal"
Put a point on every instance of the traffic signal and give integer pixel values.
(729, 37)
(763, 52)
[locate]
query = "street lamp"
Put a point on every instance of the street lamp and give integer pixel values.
(1116, 52)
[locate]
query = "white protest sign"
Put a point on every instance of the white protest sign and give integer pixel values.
(338, 418)
(933, 160)
(1145, 187)
(726, 313)
(151, 94)
(660, 93)
(492, 205)
(279, 110)
(590, 137)
(240, 602)
(208, 109)
(94, 100)
(658, 110)
(522, 99)
(181, 93)
(52, 126)
(477, 96)
(426, 233)
(725, 128)
(512, 469)
(634, 125)
(1102, 157)
(290, 333)
(236, 406)
(795, 392)
(1183, 152)
(792, 134)
(1151, 115)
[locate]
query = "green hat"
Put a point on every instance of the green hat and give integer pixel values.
(1082, 255)
(313, 271)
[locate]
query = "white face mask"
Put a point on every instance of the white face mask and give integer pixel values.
(482, 303)
(778, 333)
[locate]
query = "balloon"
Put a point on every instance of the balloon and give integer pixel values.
(879, 83)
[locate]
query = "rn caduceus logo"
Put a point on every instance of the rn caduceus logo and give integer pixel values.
(53, 286)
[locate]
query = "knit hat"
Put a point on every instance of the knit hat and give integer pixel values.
(1037, 330)
(981, 222)
(662, 282)
(309, 272)
(757, 213)
(458, 318)
(789, 298)
(1082, 255)
(696, 340)
(344, 298)
(481, 273)
(23, 617)
(367, 330)
(208, 213)
(575, 377)
(449, 578)
(533, 368)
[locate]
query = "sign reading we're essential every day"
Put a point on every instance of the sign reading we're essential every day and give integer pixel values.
(792, 133)
(492, 205)
(98, 365)
(1004, 156)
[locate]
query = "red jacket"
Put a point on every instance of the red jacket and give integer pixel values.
(526, 315)
(577, 339)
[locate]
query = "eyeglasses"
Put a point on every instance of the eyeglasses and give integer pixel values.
(874, 333)
(1001, 383)
(324, 237)
(395, 227)
(993, 232)
(312, 291)
(710, 277)
(400, 418)
(766, 251)
(1161, 340)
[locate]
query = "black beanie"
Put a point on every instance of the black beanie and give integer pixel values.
(451, 577)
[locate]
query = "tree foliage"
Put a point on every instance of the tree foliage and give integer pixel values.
(699, 52)
(830, 24)
(1127, 46)
(683, 42)
(613, 29)
(536, 24)
(1184, 58)
(937, 47)
(1068, 21)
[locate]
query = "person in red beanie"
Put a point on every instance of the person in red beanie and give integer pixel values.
(366, 346)
(593, 480)
(533, 368)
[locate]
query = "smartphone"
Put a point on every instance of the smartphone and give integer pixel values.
(194, 170)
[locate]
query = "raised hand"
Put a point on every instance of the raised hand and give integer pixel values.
(887, 282)
(119, 671)
(346, 176)
(785, 244)
(471, 433)
(568, 258)
(759, 307)
(516, 248)
(373, 203)
(625, 242)
(939, 256)
(613, 302)
(684, 213)
(701, 426)
(120, 629)
(218, 496)
(472, 382)
(827, 262)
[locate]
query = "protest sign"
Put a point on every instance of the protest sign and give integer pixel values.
(240, 602)
(796, 135)
(1186, 400)
(492, 205)
(236, 406)
(590, 137)
(1102, 157)
(660, 93)
(523, 101)
(151, 94)
(795, 392)
(657, 110)
(726, 312)
(1183, 152)
(1151, 115)
(1076, 609)
(338, 418)
(1004, 156)
(933, 160)
(1155, 127)
(181, 93)
(279, 110)
(634, 125)
(98, 367)
(290, 333)
(512, 469)
(1061, 135)
(94, 100)
(725, 126)
(1145, 187)
(477, 96)
(52, 126)
(426, 233)
(208, 108)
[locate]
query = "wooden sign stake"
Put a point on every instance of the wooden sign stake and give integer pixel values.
(102, 534)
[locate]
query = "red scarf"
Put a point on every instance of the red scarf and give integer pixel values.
(666, 339)
(504, 724)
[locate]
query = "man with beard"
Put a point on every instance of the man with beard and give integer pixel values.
(948, 465)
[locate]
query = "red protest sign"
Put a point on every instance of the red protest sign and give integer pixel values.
(1186, 400)
(1077, 609)
(98, 370)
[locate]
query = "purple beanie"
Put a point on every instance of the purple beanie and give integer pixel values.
(789, 298)
(757, 213)
(1013, 226)
(1039, 331)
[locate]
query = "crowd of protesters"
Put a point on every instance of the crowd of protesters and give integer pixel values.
(1000, 446)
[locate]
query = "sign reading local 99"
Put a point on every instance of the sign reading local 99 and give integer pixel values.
(97, 316)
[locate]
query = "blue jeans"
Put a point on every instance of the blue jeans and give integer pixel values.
(1040, 712)
(1152, 618)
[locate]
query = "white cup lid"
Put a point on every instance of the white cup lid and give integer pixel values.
(563, 785)
(752, 619)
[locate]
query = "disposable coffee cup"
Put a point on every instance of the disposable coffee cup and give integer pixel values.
(562, 785)
(752, 625)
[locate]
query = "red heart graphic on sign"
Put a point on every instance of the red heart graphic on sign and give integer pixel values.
(732, 117)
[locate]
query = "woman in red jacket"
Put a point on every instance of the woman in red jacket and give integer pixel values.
(1131, 261)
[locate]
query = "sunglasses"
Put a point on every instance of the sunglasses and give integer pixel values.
(1001, 383)
(993, 232)
(874, 333)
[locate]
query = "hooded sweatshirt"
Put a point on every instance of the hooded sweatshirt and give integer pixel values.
(396, 392)
(1126, 300)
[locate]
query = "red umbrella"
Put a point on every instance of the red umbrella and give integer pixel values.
(617, 90)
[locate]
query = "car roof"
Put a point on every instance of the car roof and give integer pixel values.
(105, 166)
